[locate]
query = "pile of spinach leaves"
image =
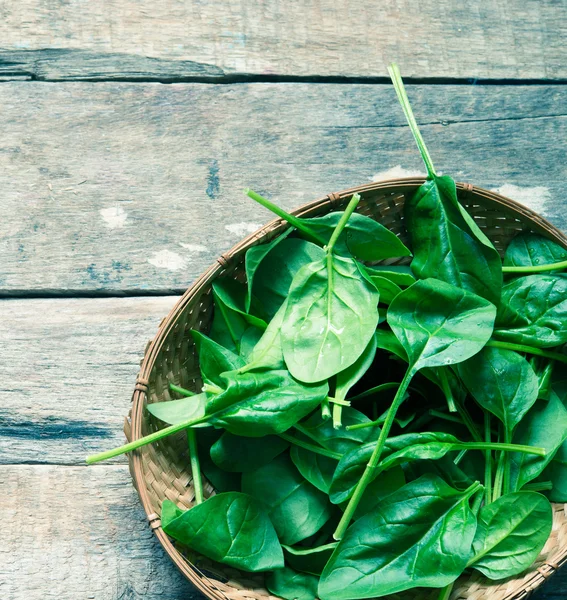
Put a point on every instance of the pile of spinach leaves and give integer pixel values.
(372, 428)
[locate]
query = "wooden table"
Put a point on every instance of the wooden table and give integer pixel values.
(118, 190)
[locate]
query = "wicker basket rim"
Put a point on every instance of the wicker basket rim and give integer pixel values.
(268, 231)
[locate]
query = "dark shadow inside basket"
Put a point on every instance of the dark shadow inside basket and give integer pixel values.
(162, 470)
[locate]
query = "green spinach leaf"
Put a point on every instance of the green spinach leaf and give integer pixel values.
(544, 426)
(331, 316)
(511, 533)
(273, 277)
(256, 404)
(317, 469)
(362, 237)
(239, 454)
(178, 411)
(214, 359)
(308, 560)
(230, 528)
(533, 311)
(401, 275)
(532, 250)
(295, 507)
(291, 585)
(392, 549)
(502, 382)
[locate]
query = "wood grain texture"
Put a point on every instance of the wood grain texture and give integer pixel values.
(68, 369)
(78, 533)
(178, 39)
(119, 187)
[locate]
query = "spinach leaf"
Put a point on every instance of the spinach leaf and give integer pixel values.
(346, 379)
(531, 250)
(178, 411)
(275, 273)
(263, 403)
(444, 468)
(290, 585)
(231, 295)
(544, 426)
(439, 324)
(385, 484)
(230, 528)
(447, 244)
(267, 353)
(339, 440)
(533, 311)
(331, 316)
(250, 338)
(502, 382)
(295, 507)
(308, 560)
(394, 548)
(387, 289)
(253, 259)
(556, 472)
(228, 326)
(240, 454)
(317, 469)
(222, 481)
(399, 274)
(511, 533)
(362, 237)
(214, 359)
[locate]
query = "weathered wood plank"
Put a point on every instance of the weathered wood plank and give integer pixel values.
(68, 372)
(179, 38)
(80, 533)
(141, 184)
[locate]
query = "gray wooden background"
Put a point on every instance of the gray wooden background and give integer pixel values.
(129, 129)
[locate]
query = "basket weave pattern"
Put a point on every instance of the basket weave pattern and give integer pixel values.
(162, 470)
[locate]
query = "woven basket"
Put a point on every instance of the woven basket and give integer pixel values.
(161, 470)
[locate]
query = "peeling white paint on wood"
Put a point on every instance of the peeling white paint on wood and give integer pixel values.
(115, 217)
(537, 198)
(242, 229)
(397, 172)
(194, 247)
(166, 259)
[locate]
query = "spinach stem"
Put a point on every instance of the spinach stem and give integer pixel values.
(460, 456)
(195, 466)
(307, 446)
(356, 426)
(291, 219)
(504, 447)
(337, 416)
(488, 461)
(342, 222)
(497, 490)
(180, 390)
(375, 458)
(538, 486)
(477, 503)
(442, 415)
(325, 409)
(396, 77)
(445, 593)
(536, 268)
(468, 421)
(338, 401)
(528, 350)
(375, 390)
(306, 433)
(507, 463)
(212, 388)
(442, 374)
(148, 439)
